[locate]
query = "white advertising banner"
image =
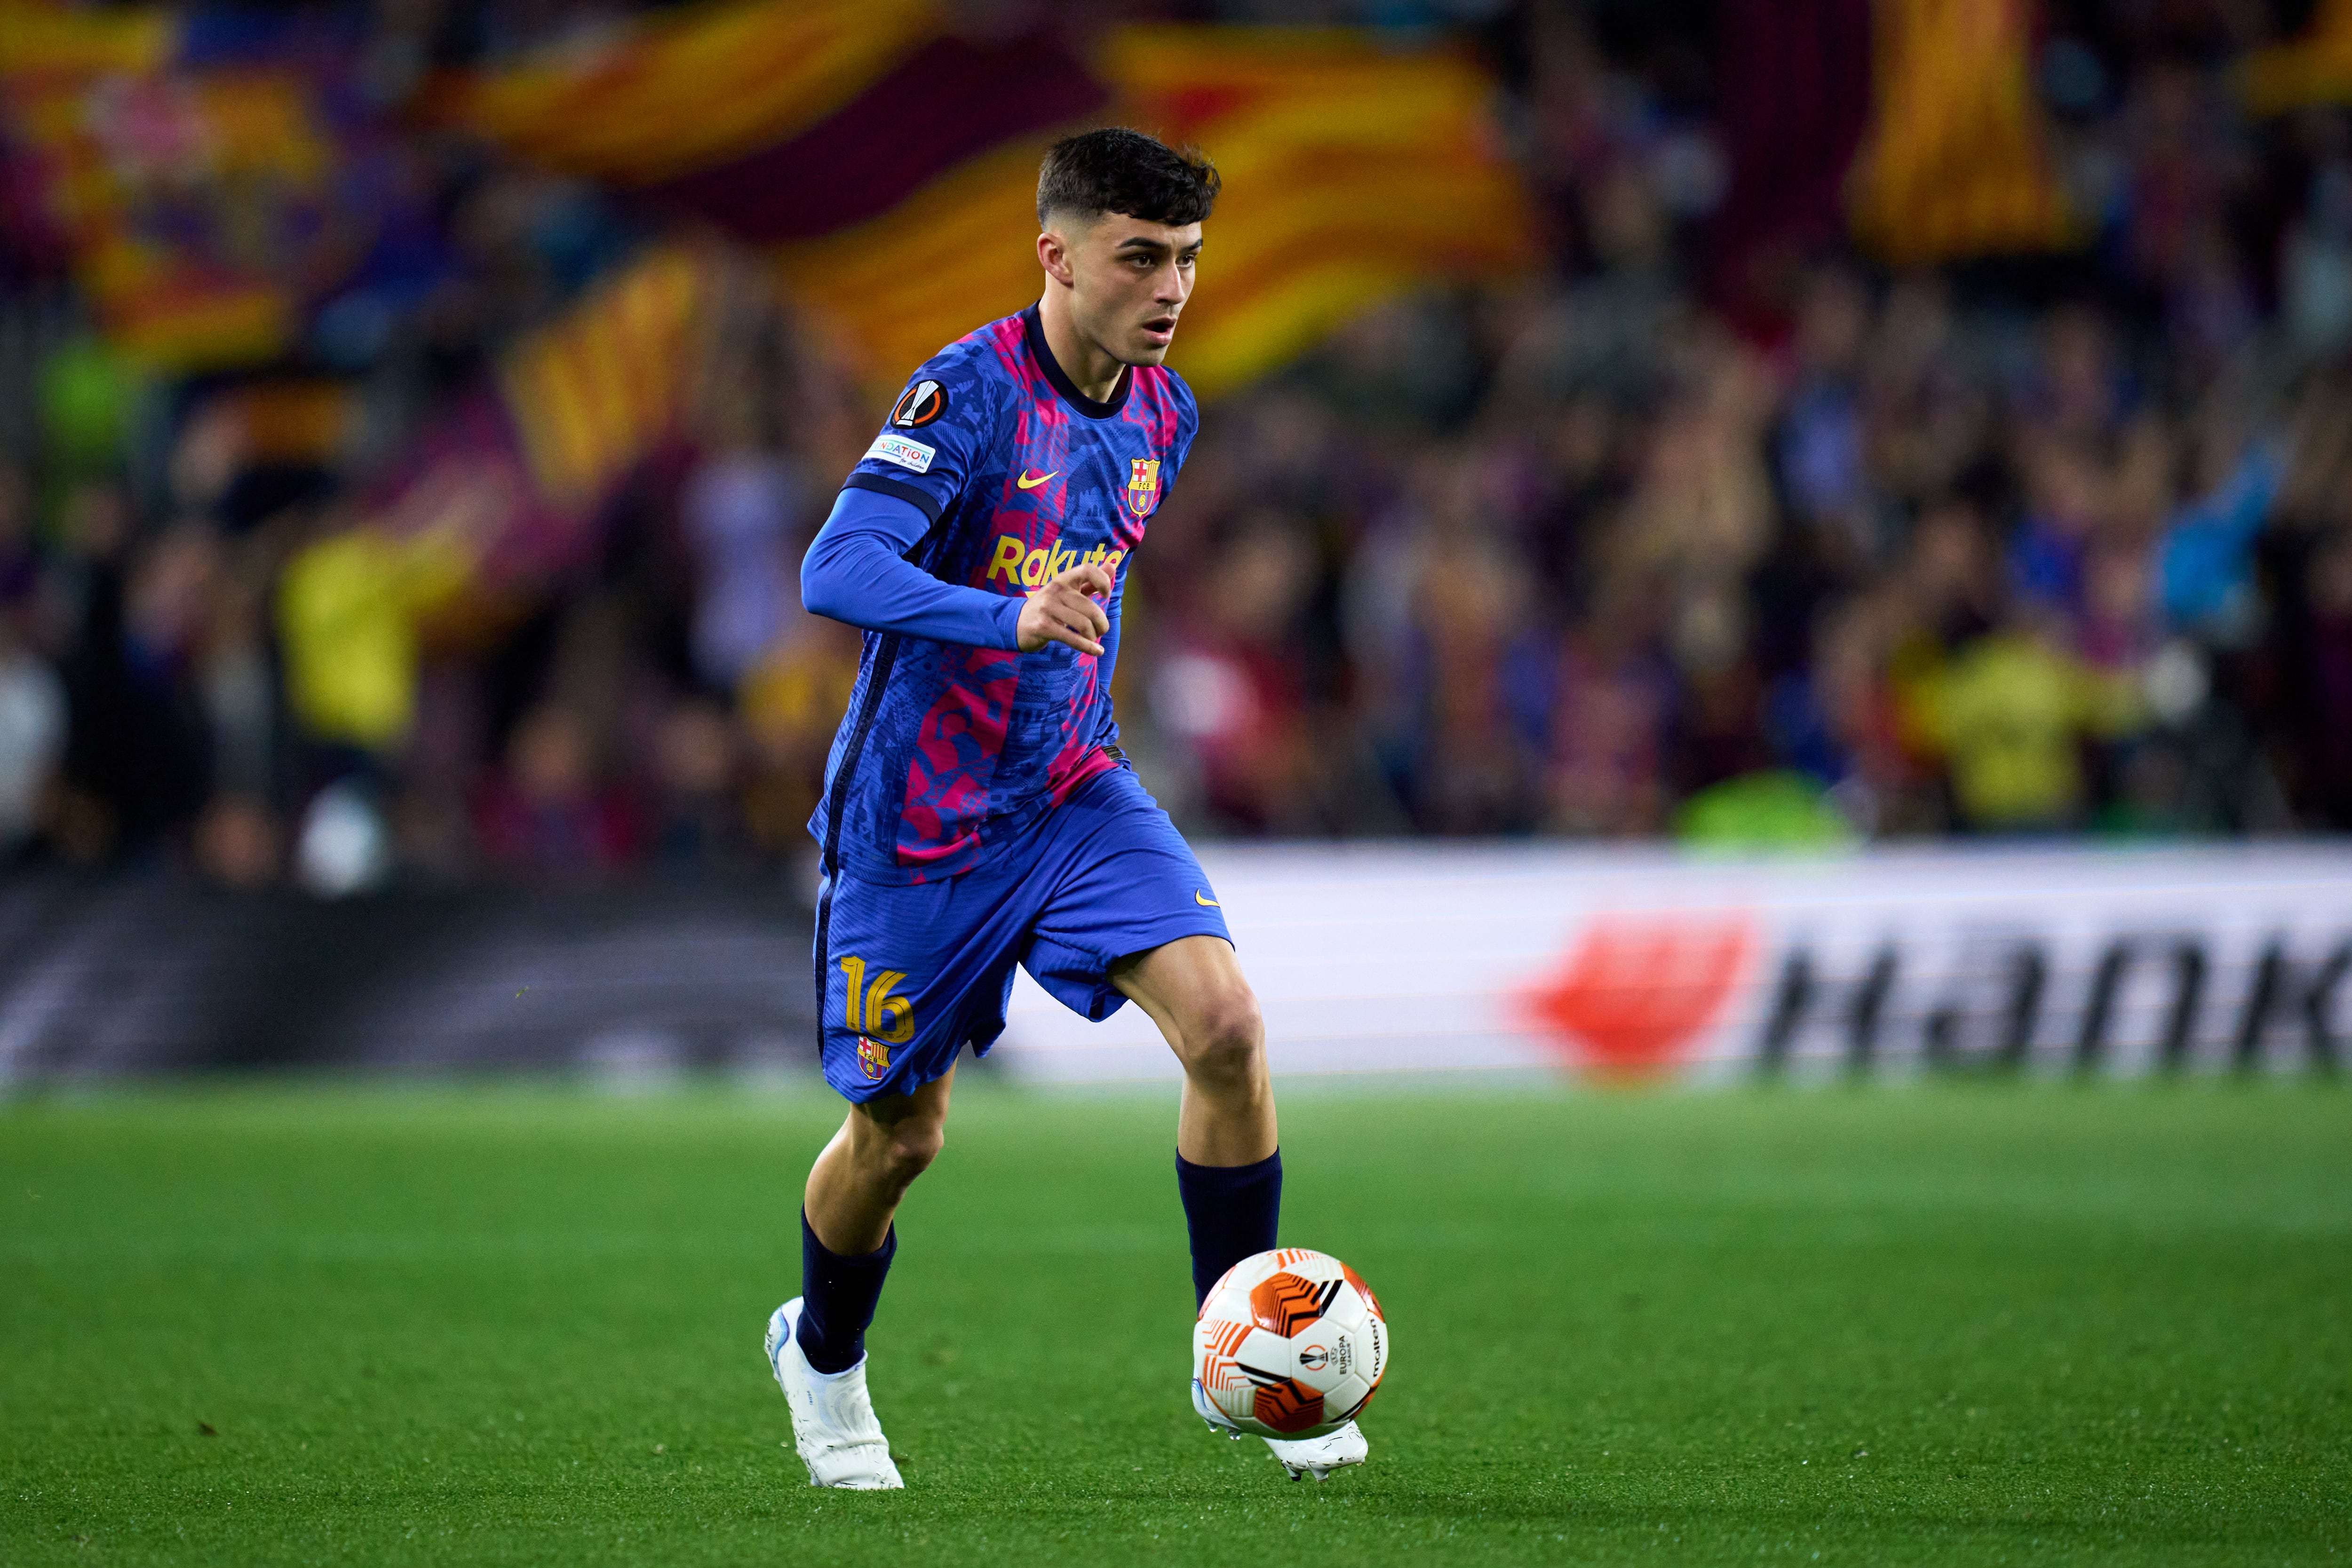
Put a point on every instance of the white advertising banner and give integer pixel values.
(1454, 959)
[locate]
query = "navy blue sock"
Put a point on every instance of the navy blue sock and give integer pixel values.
(838, 1298)
(1231, 1211)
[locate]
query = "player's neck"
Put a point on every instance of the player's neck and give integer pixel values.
(1090, 369)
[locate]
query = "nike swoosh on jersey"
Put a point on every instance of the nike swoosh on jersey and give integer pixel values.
(1204, 901)
(1026, 482)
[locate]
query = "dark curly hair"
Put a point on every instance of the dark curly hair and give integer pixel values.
(1115, 170)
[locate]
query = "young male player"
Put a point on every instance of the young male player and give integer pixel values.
(978, 812)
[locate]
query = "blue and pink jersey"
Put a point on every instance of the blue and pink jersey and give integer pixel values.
(948, 748)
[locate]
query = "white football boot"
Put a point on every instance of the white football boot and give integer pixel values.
(832, 1419)
(1317, 1456)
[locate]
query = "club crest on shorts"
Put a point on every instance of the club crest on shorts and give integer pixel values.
(1142, 484)
(873, 1058)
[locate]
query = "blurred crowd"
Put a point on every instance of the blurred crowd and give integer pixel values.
(2026, 546)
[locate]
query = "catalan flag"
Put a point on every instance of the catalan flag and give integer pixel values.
(1955, 161)
(1351, 172)
(591, 394)
(692, 88)
(498, 494)
(898, 203)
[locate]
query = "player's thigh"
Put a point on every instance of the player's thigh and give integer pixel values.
(1120, 882)
(1193, 989)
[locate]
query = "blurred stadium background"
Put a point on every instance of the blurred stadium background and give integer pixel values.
(1641, 440)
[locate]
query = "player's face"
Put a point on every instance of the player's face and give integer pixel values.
(1128, 282)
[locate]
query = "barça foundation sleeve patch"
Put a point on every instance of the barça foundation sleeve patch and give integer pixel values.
(912, 455)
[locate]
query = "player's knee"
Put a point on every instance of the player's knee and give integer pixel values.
(1225, 1037)
(894, 1152)
(911, 1148)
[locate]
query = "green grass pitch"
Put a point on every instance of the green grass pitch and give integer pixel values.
(289, 1323)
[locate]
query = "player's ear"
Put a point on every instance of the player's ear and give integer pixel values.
(1054, 255)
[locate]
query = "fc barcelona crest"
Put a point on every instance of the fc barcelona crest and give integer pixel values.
(1142, 484)
(873, 1058)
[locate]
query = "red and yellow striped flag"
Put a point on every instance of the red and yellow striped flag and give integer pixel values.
(1956, 162)
(1352, 172)
(903, 209)
(593, 393)
(694, 86)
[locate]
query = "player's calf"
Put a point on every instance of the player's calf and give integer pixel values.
(883, 1146)
(846, 1239)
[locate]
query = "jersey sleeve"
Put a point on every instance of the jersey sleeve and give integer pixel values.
(937, 433)
(856, 572)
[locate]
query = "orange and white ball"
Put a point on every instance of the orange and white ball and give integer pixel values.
(1290, 1343)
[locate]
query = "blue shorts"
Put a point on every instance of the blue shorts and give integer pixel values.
(907, 975)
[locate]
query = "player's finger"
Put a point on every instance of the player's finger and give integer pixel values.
(1076, 638)
(1088, 577)
(1076, 611)
(1076, 615)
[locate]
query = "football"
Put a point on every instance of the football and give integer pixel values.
(1290, 1343)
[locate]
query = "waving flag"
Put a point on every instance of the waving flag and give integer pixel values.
(499, 493)
(1954, 163)
(1351, 172)
(900, 205)
(136, 166)
(693, 88)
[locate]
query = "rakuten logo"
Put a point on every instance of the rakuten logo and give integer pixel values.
(1036, 567)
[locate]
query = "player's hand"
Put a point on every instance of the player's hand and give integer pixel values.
(1066, 611)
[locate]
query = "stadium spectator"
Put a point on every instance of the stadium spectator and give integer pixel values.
(32, 729)
(698, 823)
(548, 815)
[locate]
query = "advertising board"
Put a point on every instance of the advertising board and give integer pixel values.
(1644, 962)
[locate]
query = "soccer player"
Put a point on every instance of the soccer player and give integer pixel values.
(978, 812)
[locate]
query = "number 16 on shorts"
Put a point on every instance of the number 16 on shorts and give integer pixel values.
(872, 1010)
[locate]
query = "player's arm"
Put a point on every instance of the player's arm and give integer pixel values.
(857, 570)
